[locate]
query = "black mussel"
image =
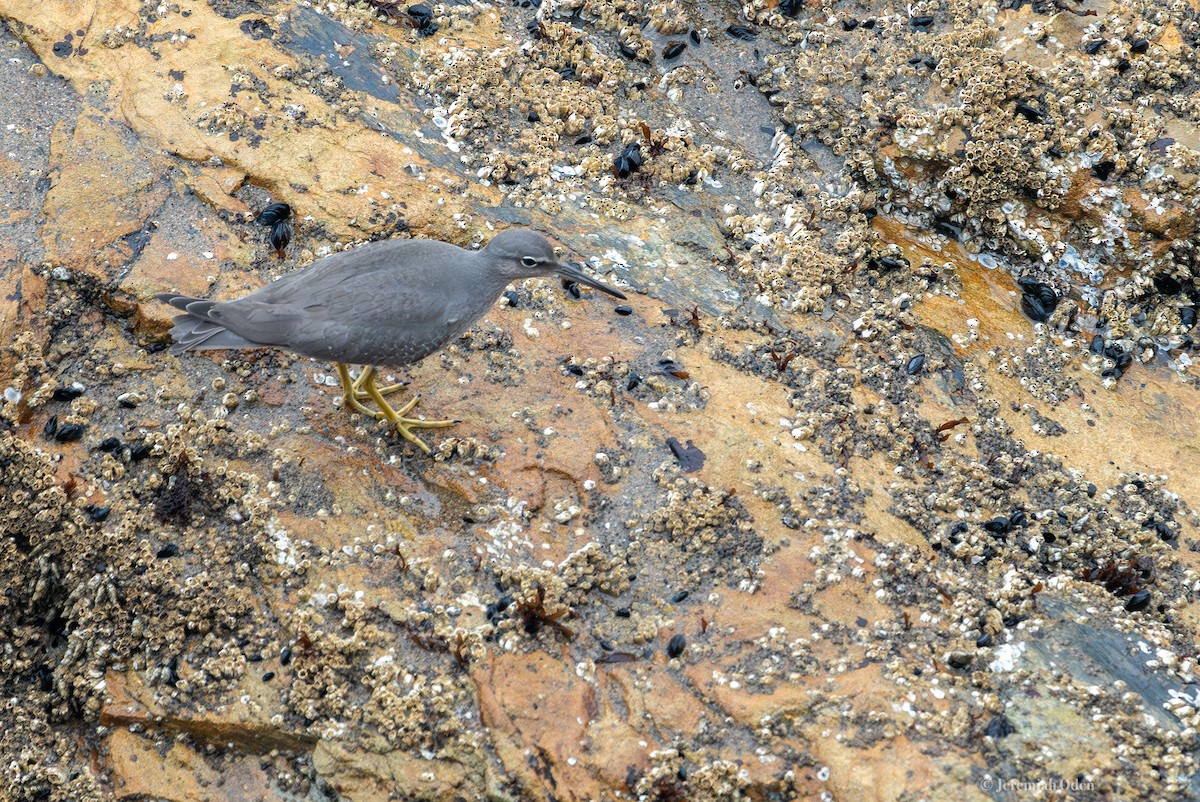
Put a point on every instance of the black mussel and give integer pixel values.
(281, 235)
(1000, 525)
(1164, 531)
(999, 727)
(68, 393)
(886, 263)
(1138, 601)
(422, 19)
(948, 229)
(1034, 309)
(1038, 299)
(68, 432)
(96, 513)
(273, 214)
(1029, 112)
(1168, 284)
(959, 660)
(690, 457)
(629, 162)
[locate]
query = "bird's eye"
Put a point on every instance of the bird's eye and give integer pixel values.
(529, 261)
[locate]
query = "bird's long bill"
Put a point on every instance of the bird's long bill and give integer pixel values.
(575, 274)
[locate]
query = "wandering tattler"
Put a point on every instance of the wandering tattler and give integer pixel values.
(387, 303)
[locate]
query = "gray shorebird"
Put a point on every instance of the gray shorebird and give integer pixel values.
(386, 303)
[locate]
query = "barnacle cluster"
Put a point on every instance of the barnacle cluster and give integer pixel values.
(710, 526)
(119, 36)
(541, 115)
(403, 705)
(413, 711)
(466, 450)
(28, 366)
(517, 106)
(675, 774)
(569, 583)
(590, 568)
(1040, 368)
(787, 268)
(675, 156)
(229, 119)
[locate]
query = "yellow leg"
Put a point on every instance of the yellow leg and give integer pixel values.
(351, 395)
(403, 425)
(366, 375)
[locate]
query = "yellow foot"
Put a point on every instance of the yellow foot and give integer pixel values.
(406, 425)
(357, 390)
(352, 396)
(368, 375)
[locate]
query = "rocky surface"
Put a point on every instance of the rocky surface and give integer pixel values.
(880, 488)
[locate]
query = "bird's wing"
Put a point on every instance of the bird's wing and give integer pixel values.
(383, 296)
(401, 261)
(343, 322)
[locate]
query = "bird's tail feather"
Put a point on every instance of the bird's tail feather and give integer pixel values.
(195, 330)
(201, 308)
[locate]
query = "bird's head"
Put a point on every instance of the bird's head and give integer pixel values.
(527, 254)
